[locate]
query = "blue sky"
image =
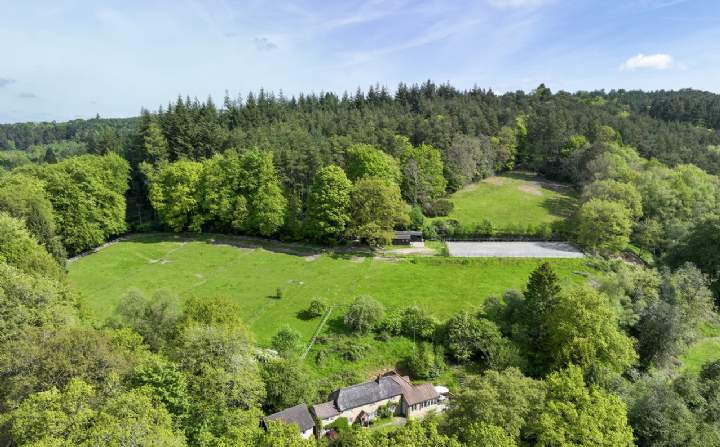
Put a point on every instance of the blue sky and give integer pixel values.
(66, 59)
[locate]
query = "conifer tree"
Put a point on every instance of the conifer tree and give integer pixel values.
(541, 296)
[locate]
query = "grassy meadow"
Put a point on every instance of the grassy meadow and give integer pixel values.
(250, 272)
(706, 349)
(511, 200)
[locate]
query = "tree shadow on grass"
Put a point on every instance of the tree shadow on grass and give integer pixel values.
(521, 175)
(336, 325)
(302, 249)
(306, 315)
(561, 206)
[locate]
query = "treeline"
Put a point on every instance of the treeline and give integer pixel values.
(670, 126)
(686, 105)
(72, 205)
(97, 132)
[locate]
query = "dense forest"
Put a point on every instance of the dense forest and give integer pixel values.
(587, 365)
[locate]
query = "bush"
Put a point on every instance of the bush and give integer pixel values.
(340, 425)
(391, 324)
(430, 232)
(485, 229)
(445, 228)
(417, 323)
(438, 208)
(353, 352)
(416, 218)
(364, 315)
(320, 357)
(317, 308)
(286, 341)
(387, 410)
(426, 362)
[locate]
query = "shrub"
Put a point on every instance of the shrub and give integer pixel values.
(320, 357)
(286, 341)
(426, 362)
(416, 218)
(438, 208)
(317, 308)
(417, 323)
(445, 227)
(486, 228)
(430, 232)
(340, 425)
(353, 352)
(364, 315)
(387, 410)
(392, 323)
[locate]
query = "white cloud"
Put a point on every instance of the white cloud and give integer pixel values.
(641, 61)
(518, 3)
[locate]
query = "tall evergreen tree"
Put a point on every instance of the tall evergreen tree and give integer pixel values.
(49, 156)
(542, 294)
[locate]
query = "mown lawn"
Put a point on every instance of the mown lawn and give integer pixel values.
(250, 272)
(511, 200)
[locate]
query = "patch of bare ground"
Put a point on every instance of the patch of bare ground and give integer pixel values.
(497, 181)
(530, 188)
(385, 259)
(557, 187)
(411, 251)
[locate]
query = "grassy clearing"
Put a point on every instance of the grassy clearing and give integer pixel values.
(249, 272)
(707, 349)
(511, 200)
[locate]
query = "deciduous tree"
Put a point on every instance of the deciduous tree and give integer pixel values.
(328, 210)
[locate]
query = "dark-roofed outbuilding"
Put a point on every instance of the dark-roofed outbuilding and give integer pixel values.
(298, 415)
(325, 410)
(406, 237)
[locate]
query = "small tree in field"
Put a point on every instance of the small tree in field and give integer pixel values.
(286, 342)
(364, 315)
(317, 308)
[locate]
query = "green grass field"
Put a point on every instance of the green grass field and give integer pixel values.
(707, 349)
(510, 200)
(250, 271)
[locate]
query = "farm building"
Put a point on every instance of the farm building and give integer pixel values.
(407, 237)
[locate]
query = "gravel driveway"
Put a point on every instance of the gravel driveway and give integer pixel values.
(513, 250)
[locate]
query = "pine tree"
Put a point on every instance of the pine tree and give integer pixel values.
(50, 157)
(541, 296)
(155, 146)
